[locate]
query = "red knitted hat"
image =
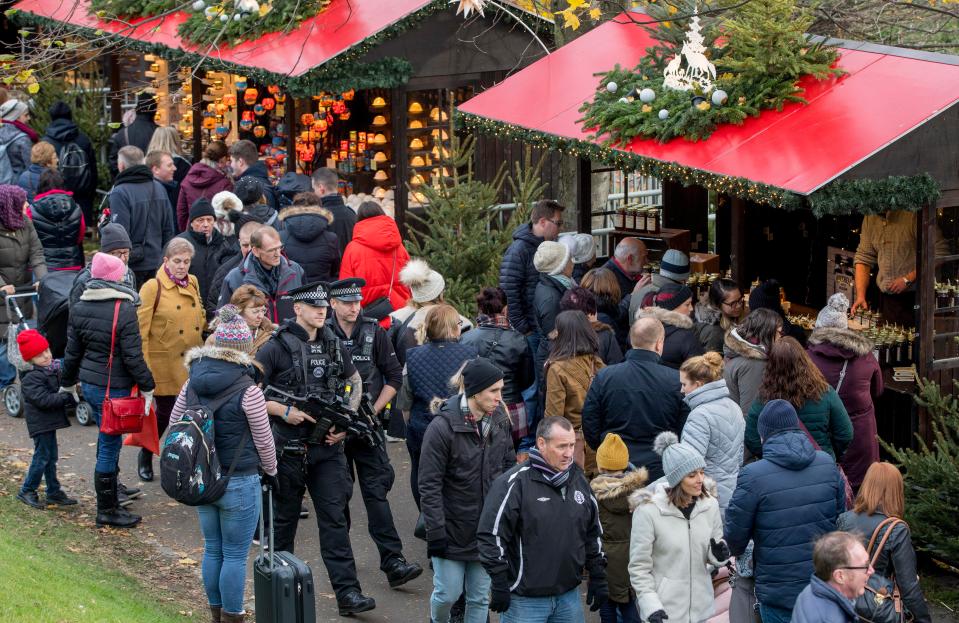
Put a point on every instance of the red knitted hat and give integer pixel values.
(31, 344)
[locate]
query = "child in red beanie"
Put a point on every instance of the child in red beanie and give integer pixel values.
(45, 409)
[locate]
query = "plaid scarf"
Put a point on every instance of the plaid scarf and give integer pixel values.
(480, 424)
(554, 477)
(183, 283)
(499, 321)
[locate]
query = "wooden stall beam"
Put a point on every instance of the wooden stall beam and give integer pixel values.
(926, 266)
(737, 257)
(584, 195)
(196, 106)
(116, 108)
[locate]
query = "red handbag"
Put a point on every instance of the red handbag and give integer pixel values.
(120, 415)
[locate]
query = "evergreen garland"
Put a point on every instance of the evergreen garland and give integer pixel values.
(863, 196)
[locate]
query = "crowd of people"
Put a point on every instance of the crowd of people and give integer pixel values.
(594, 423)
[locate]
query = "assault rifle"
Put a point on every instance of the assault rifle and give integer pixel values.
(328, 414)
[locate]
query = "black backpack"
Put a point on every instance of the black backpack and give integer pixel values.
(190, 470)
(75, 168)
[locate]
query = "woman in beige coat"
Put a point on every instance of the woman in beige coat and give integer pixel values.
(573, 362)
(172, 319)
(677, 531)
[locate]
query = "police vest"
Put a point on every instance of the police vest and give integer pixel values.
(317, 365)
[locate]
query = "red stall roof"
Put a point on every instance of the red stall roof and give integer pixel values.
(882, 98)
(319, 39)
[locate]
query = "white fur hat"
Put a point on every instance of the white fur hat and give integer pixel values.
(551, 257)
(225, 202)
(425, 283)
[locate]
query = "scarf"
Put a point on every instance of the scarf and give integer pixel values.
(566, 282)
(34, 137)
(12, 199)
(499, 321)
(127, 287)
(183, 283)
(554, 477)
(480, 424)
(269, 277)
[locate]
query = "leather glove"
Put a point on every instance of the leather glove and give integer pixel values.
(499, 595)
(147, 402)
(719, 549)
(597, 594)
(436, 547)
(271, 482)
(658, 617)
(72, 390)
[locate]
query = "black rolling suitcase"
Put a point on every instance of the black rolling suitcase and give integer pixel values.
(282, 583)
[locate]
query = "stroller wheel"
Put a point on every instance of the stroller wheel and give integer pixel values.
(84, 413)
(13, 401)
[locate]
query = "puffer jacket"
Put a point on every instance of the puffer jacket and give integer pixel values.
(171, 321)
(20, 253)
(668, 555)
(456, 471)
(518, 278)
(377, 255)
(609, 350)
(89, 336)
(84, 278)
(831, 349)
(898, 558)
(549, 292)
(288, 275)
(715, 427)
(44, 406)
(30, 179)
(783, 502)
(202, 181)
(821, 603)
(140, 204)
(208, 256)
(507, 350)
(60, 227)
(825, 419)
(614, 495)
(308, 241)
(681, 341)
(15, 147)
(744, 364)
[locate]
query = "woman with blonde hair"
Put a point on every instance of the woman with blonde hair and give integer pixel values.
(43, 157)
(429, 368)
(166, 138)
(251, 305)
(880, 499)
(172, 319)
(715, 424)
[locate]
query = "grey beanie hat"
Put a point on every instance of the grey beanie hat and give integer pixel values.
(113, 236)
(833, 315)
(679, 459)
(675, 265)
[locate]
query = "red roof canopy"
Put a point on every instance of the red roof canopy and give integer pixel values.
(882, 98)
(339, 27)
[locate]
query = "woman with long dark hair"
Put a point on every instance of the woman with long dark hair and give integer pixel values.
(746, 350)
(570, 368)
(724, 309)
(580, 299)
(605, 287)
(792, 376)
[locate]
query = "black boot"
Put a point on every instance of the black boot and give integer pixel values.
(145, 465)
(109, 512)
(354, 602)
(400, 572)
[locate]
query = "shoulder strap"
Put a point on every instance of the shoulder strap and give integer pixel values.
(244, 383)
(493, 344)
(113, 340)
(842, 374)
(126, 135)
(808, 434)
(392, 274)
(889, 523)
(156, 301)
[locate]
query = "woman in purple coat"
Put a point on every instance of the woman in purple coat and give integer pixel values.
(845, 358)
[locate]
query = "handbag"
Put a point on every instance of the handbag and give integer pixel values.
(381, 307)
(120, 415)
(881, 602)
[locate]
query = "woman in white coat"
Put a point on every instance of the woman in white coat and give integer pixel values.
(677, 531)
(715, 425)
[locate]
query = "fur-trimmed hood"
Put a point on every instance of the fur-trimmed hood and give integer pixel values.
(737, 346)
(229, 355)
(290, 211)
(608, 487)
(667, 317)
(707, 314)
(647, 494)
(306, 223)
(847, 340)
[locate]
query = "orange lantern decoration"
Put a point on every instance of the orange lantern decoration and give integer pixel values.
(259, 131)
(222, 109)
(345, 116)
(320, 125)
(229, 99)
(348, 95)
(209, 123)
(250, 96)
(306, 119)
(280, 98)
(268, 103)
(273, 89)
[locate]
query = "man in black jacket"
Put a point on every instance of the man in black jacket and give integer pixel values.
(636, 399)
(372, 354)
(140, 204)
(137, 134)
(210, 247)
(326, 186)
(80, 180)
(245, 161)
(229, 262)
(539, 529)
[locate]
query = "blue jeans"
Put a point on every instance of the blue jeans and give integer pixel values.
(531, 395)
(615, 612)
(228, 526)
(44, 464)
(565, 608)
(108, 446)
(8, 373)
(449, 579)
(771, 614)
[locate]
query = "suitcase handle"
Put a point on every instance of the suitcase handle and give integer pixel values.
(271, 553)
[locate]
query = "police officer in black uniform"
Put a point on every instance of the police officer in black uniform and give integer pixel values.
(375, 360)
(304, 356)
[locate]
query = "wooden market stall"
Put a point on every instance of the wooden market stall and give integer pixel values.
(791, 186)
(364, 86)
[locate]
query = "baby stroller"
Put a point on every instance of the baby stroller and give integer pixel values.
(12, 398)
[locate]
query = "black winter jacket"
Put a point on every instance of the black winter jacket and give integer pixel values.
(257, 171)
(507, 350)
(898, 558)
(457, 470)
(62, 132)
(549, 292)
(229, 261)
(609, 350)
(681, 341)
(539, 537)
(137, 133)
(208, 258)
(637, 399)
(59, 224)
(518, 278)
(44, 406)
(140, 204)
(344, 219)
(89, 337)
(308, 241)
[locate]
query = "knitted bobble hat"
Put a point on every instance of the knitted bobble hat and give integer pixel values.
(679, 459)
(232, 330)
(31, 344)
(612, 455)
(833, 315)
(107, 267)
(424, 283)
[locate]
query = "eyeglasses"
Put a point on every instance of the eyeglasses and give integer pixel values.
(737, 303)
(557, 222)
(866, 568)
(120, 254)
(273, 251)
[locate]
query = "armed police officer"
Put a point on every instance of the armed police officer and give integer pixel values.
(376, 361)
(304, 359)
